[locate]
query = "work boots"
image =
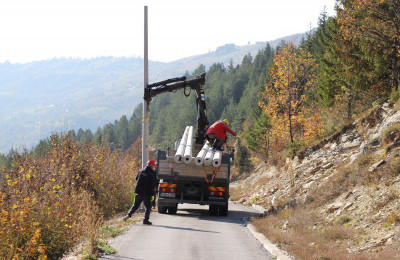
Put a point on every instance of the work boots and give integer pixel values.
(146, 222)
(126, 217)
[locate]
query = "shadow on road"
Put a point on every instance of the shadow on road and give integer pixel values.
(187, 229)
(234, 216)
(118, 257)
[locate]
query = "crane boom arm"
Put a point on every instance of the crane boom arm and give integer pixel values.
(196, 83)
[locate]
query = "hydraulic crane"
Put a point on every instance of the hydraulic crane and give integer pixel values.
(187, 83)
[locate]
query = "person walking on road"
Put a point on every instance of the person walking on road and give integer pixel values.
(146, 182)
(216, 134)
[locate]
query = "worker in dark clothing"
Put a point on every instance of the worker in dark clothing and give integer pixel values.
(154, 197)
(146, 182)
(216, 134)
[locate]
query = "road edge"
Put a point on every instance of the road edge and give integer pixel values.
(268, 245)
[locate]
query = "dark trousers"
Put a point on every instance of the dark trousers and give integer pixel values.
(136, 204)
(216, 142)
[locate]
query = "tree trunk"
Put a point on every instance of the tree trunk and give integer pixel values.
(290, 121)
(395, 71)
(349, 105)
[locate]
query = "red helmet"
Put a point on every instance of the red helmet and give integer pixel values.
(151, 163)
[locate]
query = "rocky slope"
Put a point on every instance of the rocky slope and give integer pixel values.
(352, 177)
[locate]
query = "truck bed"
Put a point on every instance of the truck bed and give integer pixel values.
(193, 184)
(169, 169)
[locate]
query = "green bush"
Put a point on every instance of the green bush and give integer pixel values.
(395, 94)
(294, 148)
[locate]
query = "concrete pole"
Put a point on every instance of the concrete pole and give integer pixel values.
(145, 125)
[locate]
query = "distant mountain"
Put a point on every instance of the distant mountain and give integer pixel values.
(39, 98)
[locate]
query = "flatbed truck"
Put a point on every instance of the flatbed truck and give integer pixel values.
(190, 183)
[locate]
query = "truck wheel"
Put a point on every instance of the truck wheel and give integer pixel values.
(213, 210)
(223, 210)
(172, 210)
(162, 209)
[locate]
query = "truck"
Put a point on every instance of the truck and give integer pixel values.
(187, 182)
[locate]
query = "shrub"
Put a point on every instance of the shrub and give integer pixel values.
(390, 133)
(293, 148)
(395, 94)
(241, 156)
(391, 219)
(52, 202)
(342, 220)
(396, 167)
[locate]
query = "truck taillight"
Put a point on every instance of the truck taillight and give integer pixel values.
(216, 191)
(168, 190)
(167, 187)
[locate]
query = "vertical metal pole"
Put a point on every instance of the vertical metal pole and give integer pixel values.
(145, 125)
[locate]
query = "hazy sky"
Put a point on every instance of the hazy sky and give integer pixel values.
(44, 29)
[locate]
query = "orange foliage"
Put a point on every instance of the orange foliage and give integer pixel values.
(375, 24)
(289, 96)
(50, 203)
(374, 20)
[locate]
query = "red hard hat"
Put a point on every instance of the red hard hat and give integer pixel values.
(151, 162)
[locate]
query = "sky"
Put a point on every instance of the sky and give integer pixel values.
(32, 30)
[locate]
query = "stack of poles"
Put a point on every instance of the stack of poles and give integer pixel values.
(207, 155)
(188, 149)
(182, 146)
(202, 154)
(213, 157)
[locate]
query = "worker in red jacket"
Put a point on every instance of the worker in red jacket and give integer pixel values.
(216, 134)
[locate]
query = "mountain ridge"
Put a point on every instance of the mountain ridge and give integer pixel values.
(42, 97)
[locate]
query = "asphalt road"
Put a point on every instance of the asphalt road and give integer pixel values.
(191, 234)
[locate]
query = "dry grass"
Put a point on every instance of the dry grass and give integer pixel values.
(391, 133)
(346, 178)
(341, 181)
(393, 218)
(308, 236)
(382, 201)
(236, 193)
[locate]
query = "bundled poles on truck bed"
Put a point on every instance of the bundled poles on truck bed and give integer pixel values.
(207, 155)
(188, 149)
(202, 154)
(182, 146)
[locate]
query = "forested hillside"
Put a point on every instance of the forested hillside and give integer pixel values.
(231, 92)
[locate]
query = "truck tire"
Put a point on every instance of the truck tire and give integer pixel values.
(172, 210)
(213, 210)
(223, 210)
(162, 209)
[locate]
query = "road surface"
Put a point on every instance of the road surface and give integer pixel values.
(191, 234)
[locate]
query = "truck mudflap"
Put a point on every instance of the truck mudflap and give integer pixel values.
(216, 208)
(170, 201)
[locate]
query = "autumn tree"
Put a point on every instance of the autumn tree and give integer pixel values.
(347, 73)
(288, 98)
(375, 26)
